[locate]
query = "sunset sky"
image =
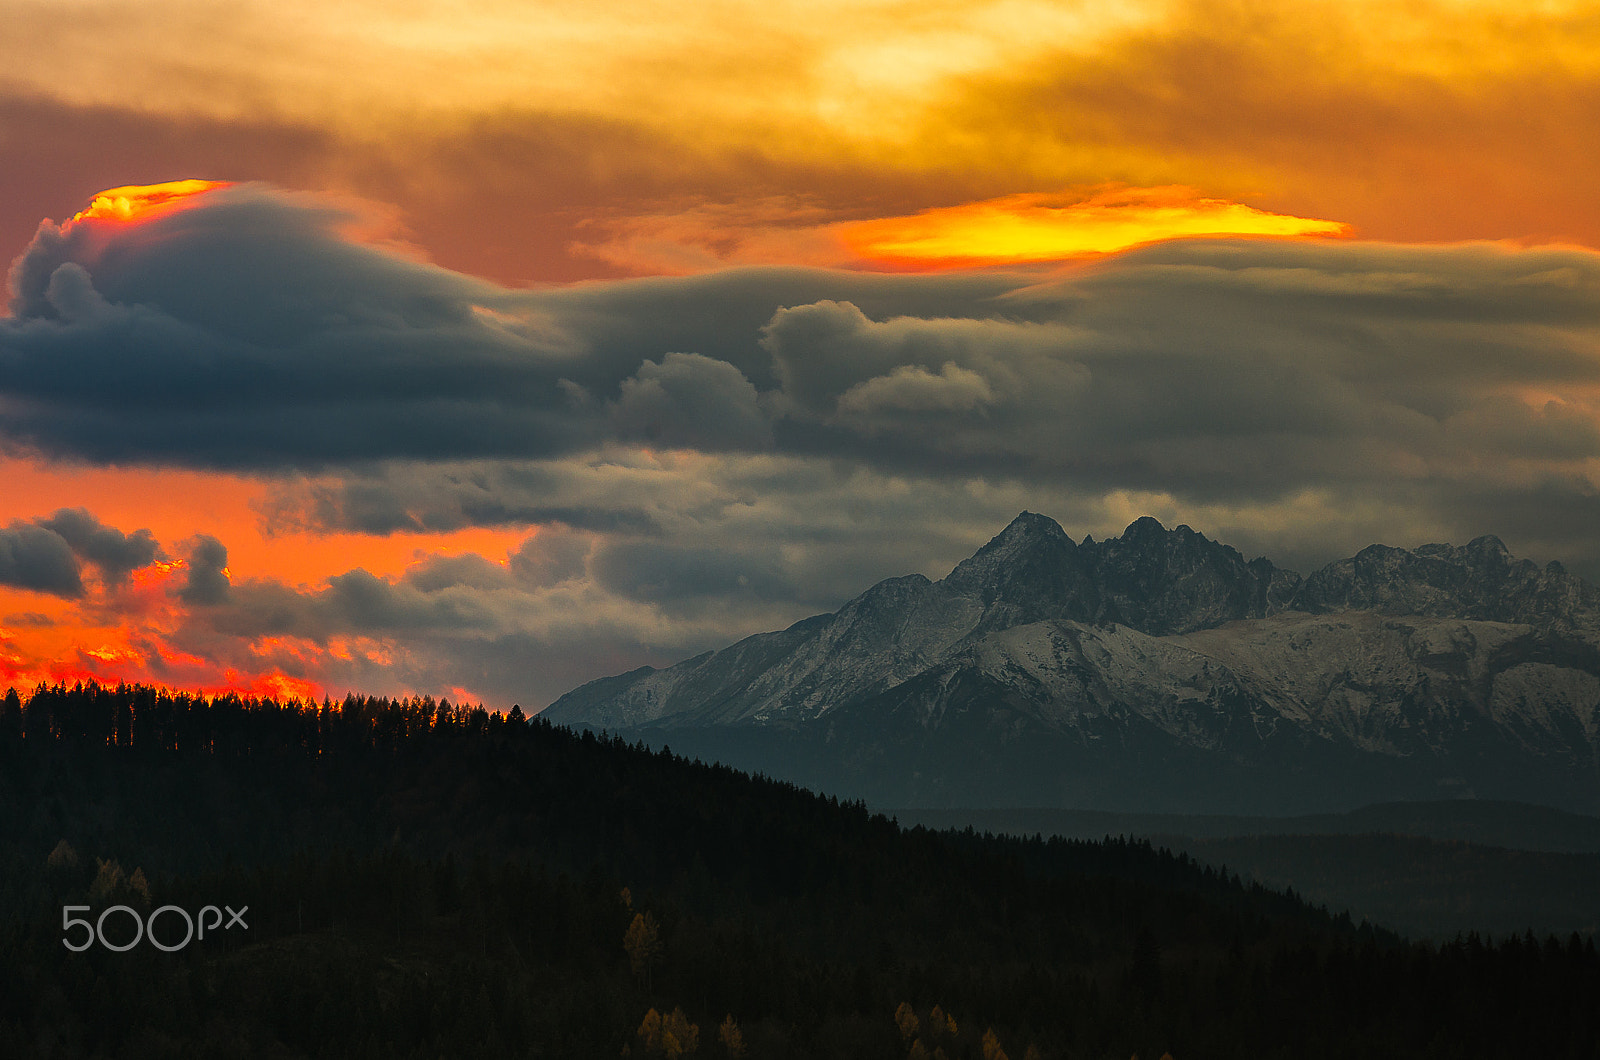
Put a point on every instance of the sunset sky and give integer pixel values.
(487, 349)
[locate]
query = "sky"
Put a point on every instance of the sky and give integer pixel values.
(479, 351)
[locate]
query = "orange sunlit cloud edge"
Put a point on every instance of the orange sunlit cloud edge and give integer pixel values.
(135, 635)
(117, 634)
(1025, 230)
(1033, 228)
(136, 202)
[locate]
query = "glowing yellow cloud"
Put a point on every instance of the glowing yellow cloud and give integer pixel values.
(141, 200)
(1027, 228)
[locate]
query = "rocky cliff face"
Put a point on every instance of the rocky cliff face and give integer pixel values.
(1158, 669)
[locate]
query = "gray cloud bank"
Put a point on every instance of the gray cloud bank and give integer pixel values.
(717, 454)
(49, 555)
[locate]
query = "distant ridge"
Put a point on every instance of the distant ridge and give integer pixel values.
(1157, 671)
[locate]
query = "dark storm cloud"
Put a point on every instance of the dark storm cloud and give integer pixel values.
(802, 530)
(32, 557)
(555, 555)
(470, 570)
(783, 536)
(416, 497)
(206, 581)
(250, 331)
(1220, 370)
(656, 572)
(466, 595)
(115, 553)
(690, 401)
(47, 554)
(361, 601)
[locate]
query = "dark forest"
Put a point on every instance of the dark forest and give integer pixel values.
(428, 880)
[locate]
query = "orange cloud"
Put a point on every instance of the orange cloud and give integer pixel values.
(1018, 229)
(140, 201)
(262, 541)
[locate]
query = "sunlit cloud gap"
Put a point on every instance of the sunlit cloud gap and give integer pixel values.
(1031, 228)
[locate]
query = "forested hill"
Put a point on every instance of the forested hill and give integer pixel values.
(427, 880)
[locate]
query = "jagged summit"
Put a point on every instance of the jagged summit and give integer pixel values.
(1025, 535)
(1029, 572)
(1028, 522)
(1488, 544)
(1162, 581)
(1155, 580)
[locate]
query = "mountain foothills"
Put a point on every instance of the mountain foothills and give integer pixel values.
(1158, 671)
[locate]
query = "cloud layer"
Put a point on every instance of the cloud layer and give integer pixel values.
(697, 458)
(252, 332)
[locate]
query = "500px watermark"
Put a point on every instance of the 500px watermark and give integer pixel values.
(145, 927)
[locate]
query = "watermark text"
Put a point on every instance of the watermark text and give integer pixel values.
(143, 928)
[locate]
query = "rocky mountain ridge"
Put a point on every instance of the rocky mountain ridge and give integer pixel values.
(1155, 669)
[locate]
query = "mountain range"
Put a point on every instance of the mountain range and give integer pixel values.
(1158, 671)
